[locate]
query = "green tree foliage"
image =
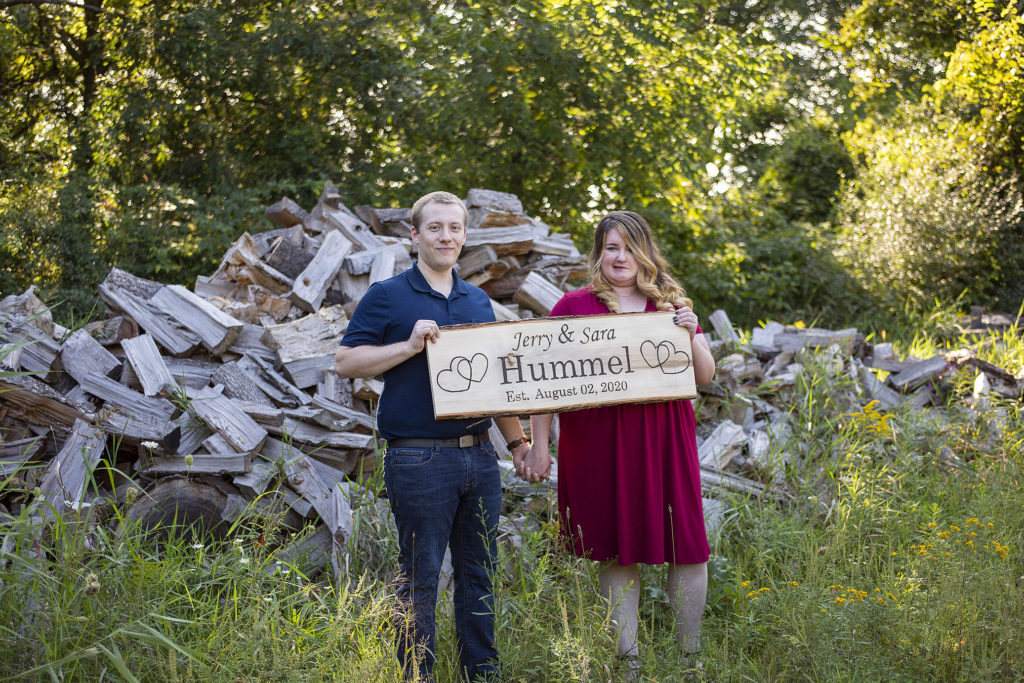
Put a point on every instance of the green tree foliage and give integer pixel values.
(984, 87)
(176, 115)
(924, 221)
(149, 135)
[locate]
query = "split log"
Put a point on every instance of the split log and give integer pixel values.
(64, 482)
(350, 288)
(215, 443)
(499, 201)
(722, 445)
(513, 239)
(472, 261)
(306, 347)
(795, 338)
(503, 313)
(537, 294)
(273, 384)
(367, 388)
(504, 287)
(723, 327)
(762, 339)
(220, 464)
(127, 400)
(264, 415)
(484, 218)
(314, 435)
(305, 480)
(362, 262)
(38, 352)
(189, 372)
(359, 419)
(311, 285)
(286, 213)
(243, 263)
(289, 254)
(149, 366)
(238, 384)
(714, 479)
(555, 245)
(178, 342)
(255, 482)
(357, 232)
(216, 330)
(920, 373)
(383, 266)
(35, 402)
(344, 461)
(876, 388)
(192, 434)
(208, 287)
(334, 388)
(28, 306)
(250, 342)
(27, 448)
(223, 416)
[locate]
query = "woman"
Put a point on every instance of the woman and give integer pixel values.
(629, 479)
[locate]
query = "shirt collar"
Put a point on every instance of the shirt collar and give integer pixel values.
(420, 284)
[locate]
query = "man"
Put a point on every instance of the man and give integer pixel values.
(441, 475)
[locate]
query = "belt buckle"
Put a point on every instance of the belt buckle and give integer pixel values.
(466, 441)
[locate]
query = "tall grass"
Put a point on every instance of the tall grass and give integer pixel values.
(896, 556)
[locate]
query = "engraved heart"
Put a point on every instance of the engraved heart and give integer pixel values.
(665, 356)
(462, 372)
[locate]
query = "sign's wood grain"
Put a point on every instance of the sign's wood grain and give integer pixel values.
(557, 364)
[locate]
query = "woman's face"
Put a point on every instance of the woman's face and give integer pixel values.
(618, 265)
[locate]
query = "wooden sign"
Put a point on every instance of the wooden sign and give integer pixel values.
(548, 365)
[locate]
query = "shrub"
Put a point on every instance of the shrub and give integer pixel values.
(923, 220)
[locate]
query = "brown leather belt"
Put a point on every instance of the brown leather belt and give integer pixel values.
(456, 442)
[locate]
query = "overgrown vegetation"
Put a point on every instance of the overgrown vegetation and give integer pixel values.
(896, 555)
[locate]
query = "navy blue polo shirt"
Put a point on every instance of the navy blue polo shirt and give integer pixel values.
(386, 314)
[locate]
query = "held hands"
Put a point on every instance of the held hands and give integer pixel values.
(422, 331)
(685, 317)
(533, 464)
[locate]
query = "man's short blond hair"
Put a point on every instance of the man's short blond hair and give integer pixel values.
(439, 197)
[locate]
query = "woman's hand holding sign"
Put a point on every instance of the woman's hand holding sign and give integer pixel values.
(685, 317)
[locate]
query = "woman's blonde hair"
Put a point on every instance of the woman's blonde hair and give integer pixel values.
(653, 277)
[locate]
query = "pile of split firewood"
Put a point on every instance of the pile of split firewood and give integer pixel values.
(201, 404)
(211, 400)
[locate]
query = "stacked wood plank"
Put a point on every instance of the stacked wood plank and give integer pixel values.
(743, 428)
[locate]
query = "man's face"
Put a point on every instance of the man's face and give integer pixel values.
(440, 236)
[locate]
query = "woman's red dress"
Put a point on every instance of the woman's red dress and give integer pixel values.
(628, 475)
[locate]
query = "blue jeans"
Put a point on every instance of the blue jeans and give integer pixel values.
(442, 497)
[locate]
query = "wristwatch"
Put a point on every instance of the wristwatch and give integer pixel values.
(515, 443)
